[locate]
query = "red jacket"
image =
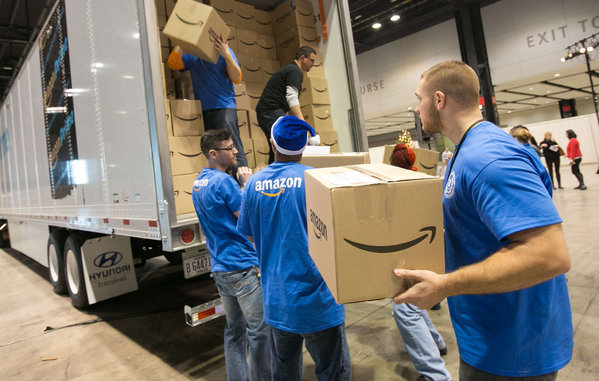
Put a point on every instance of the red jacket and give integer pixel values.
(573, 149)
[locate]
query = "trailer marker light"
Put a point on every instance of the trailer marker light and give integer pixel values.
(187, 235)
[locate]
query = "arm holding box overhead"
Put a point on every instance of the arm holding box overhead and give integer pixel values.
(233, 70)
(175, 61)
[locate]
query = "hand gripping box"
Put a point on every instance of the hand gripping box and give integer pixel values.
(194, 27)
(366, 220)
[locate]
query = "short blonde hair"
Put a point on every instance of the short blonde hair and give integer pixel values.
(456, 80)
(521, 134)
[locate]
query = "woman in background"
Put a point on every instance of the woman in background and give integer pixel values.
(551, 151)
(575, 156)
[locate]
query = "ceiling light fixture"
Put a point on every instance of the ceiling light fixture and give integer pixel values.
(556, 75)
(376, 25)
(394, 18)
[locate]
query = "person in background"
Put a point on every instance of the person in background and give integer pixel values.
(281, 93)
(551, 152)
(522, 134)
(505, 262)
(298, 305)
(234, 263)
(445, 156)
(575, 156)
(213, 86)
(424, 343)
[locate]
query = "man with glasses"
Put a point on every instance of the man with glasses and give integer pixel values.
(281, 94)
(217, 201)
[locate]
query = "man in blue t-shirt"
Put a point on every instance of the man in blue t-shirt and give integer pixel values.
(298, 305)
(505, 252)
(217, 200)
(213, 86)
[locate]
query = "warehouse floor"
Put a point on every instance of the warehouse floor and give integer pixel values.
(143, 336)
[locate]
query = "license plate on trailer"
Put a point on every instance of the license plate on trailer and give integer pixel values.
(195, 264)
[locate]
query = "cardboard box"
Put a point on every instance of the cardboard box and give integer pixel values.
(247, 44)
(250, 69)
(426, 160)
(187, 117)
(224, 8)
(169, 5)
(169, 117)
(316, 71)
(255, 130)
(366, 220)
(248, 148)
(284, 16)
(232, 40)
(254, 90)
(244, 16)
(194, 26)
(160, 8)
(186, 155)
(266, 47)
(318, 116)
(336, 159)
(329, 138)
(243, 124)
(314, 91)
(268, 68)
(182, 187)
(263, 22)
(290, 40)
(241, 98)
(261, 149)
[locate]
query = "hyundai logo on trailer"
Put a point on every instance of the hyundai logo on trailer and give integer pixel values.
(108, 259)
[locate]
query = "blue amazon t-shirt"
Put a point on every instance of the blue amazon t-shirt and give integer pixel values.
(296, 298)
(211, 83)
(498, 187)
(216, 197)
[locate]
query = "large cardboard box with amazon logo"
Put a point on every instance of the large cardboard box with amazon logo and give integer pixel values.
(366, 220)
(426, 160)
(194, 26)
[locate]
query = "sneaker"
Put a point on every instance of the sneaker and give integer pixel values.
(583, 187)
(578, 187)
(443, 351)
(560, 187)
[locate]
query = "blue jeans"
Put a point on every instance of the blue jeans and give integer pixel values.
(241, 294)
(422, 341)
(226, 119)
(265, 120)
(328, 349)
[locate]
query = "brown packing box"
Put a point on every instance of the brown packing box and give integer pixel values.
(247, 43)
(233, 39)
(187, 117)
(263, 22)
(250, 68)
(186, 155)
(224, 8)
(255, 130)
(336, 159)
(261, 149)
(243, 124)
(267, 47)
(314, 91)
(426, 160)
(244, 15)
(366, 220)
(169, 117)
(248, 148)
(269, 67)
(317, 71)
(318, 116)
(241, 97)
(329, 138)
(254, 90)
(160, 7)
(194, 26)
(290, 40)
(169, 5)
(284, 17)
(182, 187)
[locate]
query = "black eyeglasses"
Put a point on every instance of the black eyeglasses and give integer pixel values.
(311, 60)
(229, 148)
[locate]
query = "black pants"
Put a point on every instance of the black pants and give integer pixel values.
(551, 162)
(469, 373)
(226, 119)
(266, 119)
(576, 171)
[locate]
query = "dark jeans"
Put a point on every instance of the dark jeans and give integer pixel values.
(469, 373)
(553, 162)
(266, 119)
(576, 171)
(226, 119)
(328, 349)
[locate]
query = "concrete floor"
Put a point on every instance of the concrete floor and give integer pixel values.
(143, 336)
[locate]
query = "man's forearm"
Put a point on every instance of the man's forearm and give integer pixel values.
(296, 111)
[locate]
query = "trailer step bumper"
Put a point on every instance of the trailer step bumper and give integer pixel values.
(203, 313)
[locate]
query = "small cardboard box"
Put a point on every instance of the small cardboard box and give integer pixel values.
(244, 16)
(187, 117)
(366, 220)
(261, 149)
(232, 40)
(284, 16)
(194, 26)
(329, 138)
(241, 97)
(314, 91)
(182, 187)
(290, 40)
(255, 129)
(263, 22)
(254, 90)
(250, 68)
(224, 8)
(248, 148)
(186, 155)
(266, 47)
(317, 71)
(160, 8)
(169, 117)
(247, 44)
(318, 116)
(243, 124)
(336, 159)
(426, 160)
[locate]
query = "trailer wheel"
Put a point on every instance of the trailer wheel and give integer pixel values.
(55, 248)
(74, 272)
(174, 258)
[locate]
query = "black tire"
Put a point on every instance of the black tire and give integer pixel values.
(56, 242)
(174, 258)
(75, 278)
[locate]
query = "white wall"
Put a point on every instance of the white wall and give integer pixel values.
(541, 114)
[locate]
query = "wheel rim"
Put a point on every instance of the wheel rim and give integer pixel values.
(53, 263)
(72, 272)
